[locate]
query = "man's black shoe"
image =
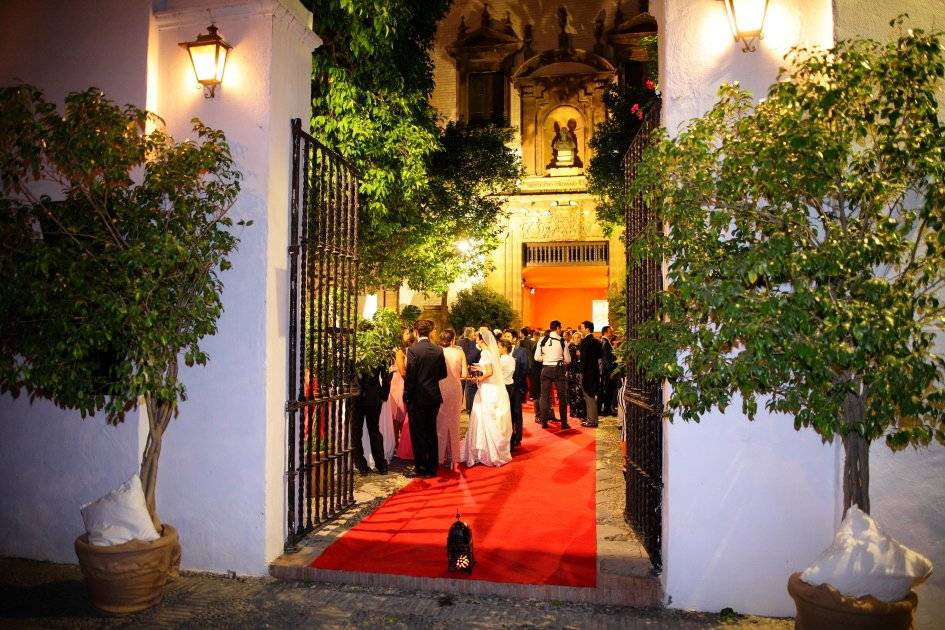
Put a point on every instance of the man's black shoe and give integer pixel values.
(585, 423)
(565, 425)
(382, 470)
(411, 473)
(544, 425)
(363, 470)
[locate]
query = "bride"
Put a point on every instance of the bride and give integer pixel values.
(490, 422)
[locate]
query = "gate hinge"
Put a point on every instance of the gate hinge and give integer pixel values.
(293, 249)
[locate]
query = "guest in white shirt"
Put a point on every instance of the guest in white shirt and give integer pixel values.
(552, 353)
(507, 365)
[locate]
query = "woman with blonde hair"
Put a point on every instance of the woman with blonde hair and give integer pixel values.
(451, 389)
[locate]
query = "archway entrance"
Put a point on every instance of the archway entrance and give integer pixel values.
(565, 281)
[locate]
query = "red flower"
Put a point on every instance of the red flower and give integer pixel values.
(649, 84)
(640, 114)
(636, 106)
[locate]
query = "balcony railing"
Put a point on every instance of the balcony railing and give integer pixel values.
(572, 253)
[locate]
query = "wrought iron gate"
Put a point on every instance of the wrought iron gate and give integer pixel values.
(323, 295)
(642, 399)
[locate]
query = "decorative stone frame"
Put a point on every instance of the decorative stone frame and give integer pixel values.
(576, 78)
(490, 48)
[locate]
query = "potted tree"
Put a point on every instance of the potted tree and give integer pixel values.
(123, 270)
(806, 250)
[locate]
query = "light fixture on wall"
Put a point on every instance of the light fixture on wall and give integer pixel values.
(747, 20)
(208, 57)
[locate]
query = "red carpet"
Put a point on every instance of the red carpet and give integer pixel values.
(533, 520)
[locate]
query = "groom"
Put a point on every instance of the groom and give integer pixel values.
(426, 367)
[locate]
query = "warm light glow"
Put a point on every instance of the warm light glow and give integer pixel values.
(370, 306)
(464, 246)
(746, 18)
(208, 57)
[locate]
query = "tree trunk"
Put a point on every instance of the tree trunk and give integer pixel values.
(856, 456)
(159, 416)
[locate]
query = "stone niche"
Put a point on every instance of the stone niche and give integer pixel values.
(561, 95)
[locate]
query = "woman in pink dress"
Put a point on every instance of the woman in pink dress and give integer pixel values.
(451, 389)
(397, 407)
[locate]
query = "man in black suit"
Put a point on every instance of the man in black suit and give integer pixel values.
(591, 352)
(374, 390)
(426, 367)
(605, 395)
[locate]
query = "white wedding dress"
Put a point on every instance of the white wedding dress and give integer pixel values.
(488, 438)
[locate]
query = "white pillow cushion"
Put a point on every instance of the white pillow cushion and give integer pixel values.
(863, 560)
(119, 516)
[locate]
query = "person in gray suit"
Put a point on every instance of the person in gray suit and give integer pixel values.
(426, 367)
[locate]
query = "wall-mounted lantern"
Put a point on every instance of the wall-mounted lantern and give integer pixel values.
(747, 20)
(208, 56)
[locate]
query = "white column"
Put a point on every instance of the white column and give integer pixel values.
(221, 477)
(744, 504)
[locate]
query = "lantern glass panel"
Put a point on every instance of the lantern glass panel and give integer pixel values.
(747, 17)
(207, 62)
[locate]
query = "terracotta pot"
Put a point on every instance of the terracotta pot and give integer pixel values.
(129, 577)
(825, 608)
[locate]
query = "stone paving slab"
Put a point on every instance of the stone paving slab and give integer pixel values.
(45, 595)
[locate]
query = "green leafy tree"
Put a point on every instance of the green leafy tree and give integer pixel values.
(410, 314)
(378, 338)
(807, 250)
(625, 106)
(422, 186)
(109, 286)
(479, 304)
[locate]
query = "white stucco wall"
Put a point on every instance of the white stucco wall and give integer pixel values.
(745, 503)
(220, 481)
(52, 461)
(907, 495)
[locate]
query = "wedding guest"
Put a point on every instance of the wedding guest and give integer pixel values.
(426, 367)
(451, 389)
(553, 355)
(397, 408)
(374, 389)
(590, 353)
(608, 386)
(528, 345)
(471, 350)
(535, 373)
(575, 394)
(507, 365)
(519, 387)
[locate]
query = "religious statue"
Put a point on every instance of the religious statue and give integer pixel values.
(564, 146)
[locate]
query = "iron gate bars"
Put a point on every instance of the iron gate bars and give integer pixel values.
(642, 400)
(323, 293)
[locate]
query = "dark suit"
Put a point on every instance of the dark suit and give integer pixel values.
(534, 369)
(471, 350)
(519, 387)
(608, 385)
(591, 352)
(426, 367)
(374, 390)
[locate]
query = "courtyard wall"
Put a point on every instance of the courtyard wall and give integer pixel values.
(745, 504)
(222, 465)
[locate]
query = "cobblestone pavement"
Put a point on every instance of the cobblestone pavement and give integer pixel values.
(44, 595)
